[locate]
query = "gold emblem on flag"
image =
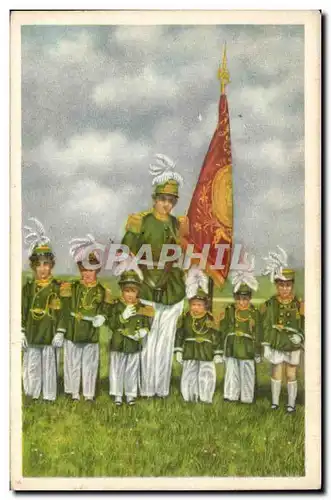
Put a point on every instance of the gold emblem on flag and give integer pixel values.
(222, 196)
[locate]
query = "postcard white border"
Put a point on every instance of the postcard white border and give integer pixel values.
(312, 22)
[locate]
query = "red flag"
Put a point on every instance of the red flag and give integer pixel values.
(210, 215)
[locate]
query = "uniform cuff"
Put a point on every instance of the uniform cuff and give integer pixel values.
(265, 343)
(178, 349)
(61, 330)
(218, 352)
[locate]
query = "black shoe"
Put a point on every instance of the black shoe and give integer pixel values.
(274, 407)
(290, 409)
(132, 402)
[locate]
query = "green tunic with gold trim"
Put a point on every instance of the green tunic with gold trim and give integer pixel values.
(282, 319)
(81, 303)
(41, 310)
(197, 337)
(240, 332)
(121, 329)
(154, 230)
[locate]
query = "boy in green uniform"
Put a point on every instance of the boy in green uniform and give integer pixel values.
(129, 321)
(85, 302)
(283, 329)
(41, 310)
(164, 289)
(240, 340)
(196, 342)
(240, 346)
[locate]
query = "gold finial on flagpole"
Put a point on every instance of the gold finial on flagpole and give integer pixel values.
(223, 73)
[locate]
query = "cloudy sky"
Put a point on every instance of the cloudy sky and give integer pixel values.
(99, 101)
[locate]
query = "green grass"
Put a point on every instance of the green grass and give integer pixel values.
(163, 437)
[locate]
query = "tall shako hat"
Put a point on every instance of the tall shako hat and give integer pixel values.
(38, 242)
(166, 179)
(128, 272)
(244, 281)
(196, 284)
(83, 250)
(277, 267)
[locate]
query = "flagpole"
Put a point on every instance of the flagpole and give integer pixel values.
(224, 78)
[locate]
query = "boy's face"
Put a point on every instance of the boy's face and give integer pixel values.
(284, 289)
(163, 204)
(197, 307)
(43, 269)
(130, 294)
(88, 275)
(242, 301)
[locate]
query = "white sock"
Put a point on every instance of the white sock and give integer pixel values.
(275, 391)
(292, 389)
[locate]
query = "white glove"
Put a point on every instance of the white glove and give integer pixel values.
(257, 359)
(24, 341)
(218, 359)
(98, 320)
(295, 339)
(128, 312)
(58, 340)
(266, 352)
(179, 357)
(141, 333)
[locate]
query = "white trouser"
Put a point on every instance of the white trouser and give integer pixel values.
(198, 380)
(124, 374)
(276, 357)
(239, 382)
(156, 355)
(39, 372)
(85, 361)
(67, 363)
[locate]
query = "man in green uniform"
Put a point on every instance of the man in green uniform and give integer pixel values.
(129, 321)
(164, 289)
(85, 300)
(196, 345)
(41, 311)
(283, 329)
(240, 346)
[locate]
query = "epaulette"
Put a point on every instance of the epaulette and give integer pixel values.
(263, 307)
(108, 297)
(134, 222)
(66, 289)
(146, 311)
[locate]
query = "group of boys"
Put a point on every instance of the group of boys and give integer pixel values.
(59, 314)
(147, 322)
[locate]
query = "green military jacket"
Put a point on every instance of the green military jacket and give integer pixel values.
(197, 338)
(240, 332)
(79, 303)
(41, 310)
(281, 319)
(120, 342)
(149, 228)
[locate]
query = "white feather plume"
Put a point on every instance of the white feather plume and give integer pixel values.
(245, 276)
(163, 170)
(79, 247)
(195, 279)
(275, 263)
(129, 264)
(35, 236)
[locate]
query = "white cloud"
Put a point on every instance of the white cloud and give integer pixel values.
(77, 49)
(131, 90)
(93, 150)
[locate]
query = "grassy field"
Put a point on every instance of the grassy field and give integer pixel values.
(164, 437)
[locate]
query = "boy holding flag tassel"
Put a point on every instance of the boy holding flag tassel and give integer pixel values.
(196, 342)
